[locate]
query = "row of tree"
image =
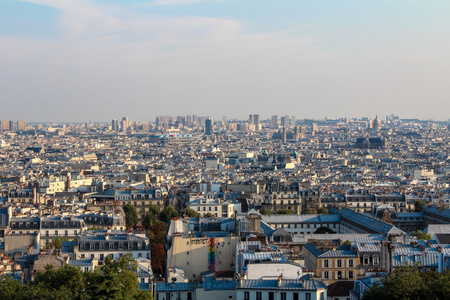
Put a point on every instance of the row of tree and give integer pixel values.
(115, 280)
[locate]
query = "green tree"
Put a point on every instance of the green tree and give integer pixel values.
(307, 211)
(168, 213)
(266, 211)
(208, 215)
(418, 205)
(151, 216)
(421, 235)
(57, 242)
(189, 212)
(324, 229)
(131, 217)
(322, 211)
(406, 282)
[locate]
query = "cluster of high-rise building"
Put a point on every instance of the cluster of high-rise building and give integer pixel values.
(284, 208)
(12, 126)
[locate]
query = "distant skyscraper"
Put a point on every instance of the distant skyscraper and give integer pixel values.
(286, 121)
(292, 120)
(283, 136)
(188, 120)
(274, 121)
(115, 125)
(313, 128)
(256, 122)
(208, 127)
(4, 126)
(21, 125)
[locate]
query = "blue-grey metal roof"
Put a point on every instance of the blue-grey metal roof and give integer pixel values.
(174, 287)
(285, 284)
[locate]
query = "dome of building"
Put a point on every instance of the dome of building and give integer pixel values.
(376, 124)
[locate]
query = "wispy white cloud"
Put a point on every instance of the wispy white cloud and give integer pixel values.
(175, 2)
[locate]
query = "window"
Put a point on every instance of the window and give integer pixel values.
(246, 295)
(102, 246)
(283, 296)
(376, 260)
(350, 263)
(102, 256)
(92, 256)
(339, 263)
(326, 263)
(326, 274)
(417, 258)
(307, 296)
(92, 246)
(403, 258)
(339, 274)
(142, 280)
(66, 233)
(350, 275)
(56, 232)
(120, 246)
(111, 246)
(365, 260)
(258, 296)
(294, 296)
(272, 296)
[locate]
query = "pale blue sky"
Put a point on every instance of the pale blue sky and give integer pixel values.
(68, 60)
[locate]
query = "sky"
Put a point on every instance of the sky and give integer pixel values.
(97, 60)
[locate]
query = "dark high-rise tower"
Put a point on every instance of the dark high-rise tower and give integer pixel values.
(208, 127)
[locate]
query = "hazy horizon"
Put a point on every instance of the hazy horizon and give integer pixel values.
(75, 61)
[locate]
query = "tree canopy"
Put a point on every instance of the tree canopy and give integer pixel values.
(131, 217)
(115, 280)
(407, 282)
(421, 235)
(322, 211)
(324, 229)
(418, 205)
(307, 211)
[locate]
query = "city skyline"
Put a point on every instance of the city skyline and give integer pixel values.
(80, 61)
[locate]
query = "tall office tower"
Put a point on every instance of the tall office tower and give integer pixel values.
(302, 132)
(194, 118)
(286, 121)
(4, 126)
(125, 124)
(208, 126)
(21, 125)
(11, 126)
(274, 121)
(296, 133)
(251, 119)
(224, 120)
(292, 120)
(256, 122)
(283, 137)
(157, 120)
(313, 128)
(189, 120)
(282, 121)
(179, 121)
(114, 125)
